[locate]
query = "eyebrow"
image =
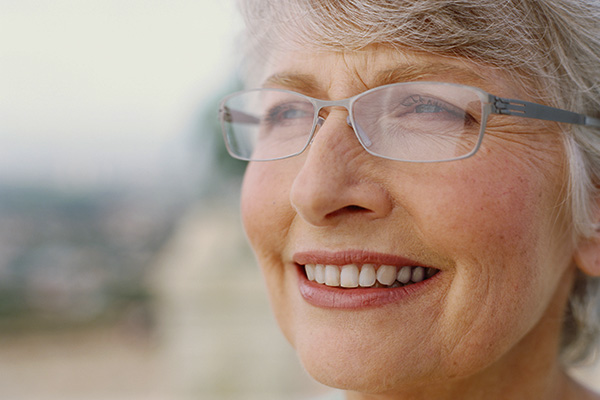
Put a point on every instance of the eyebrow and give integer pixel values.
(306, 83)
(299, 82)
(416, 72)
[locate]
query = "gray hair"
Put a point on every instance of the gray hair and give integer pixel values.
(551, 47)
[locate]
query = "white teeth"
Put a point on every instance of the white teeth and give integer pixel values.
(310, 271)
(367, 275)
(404, 274)
(352, 276)
(349, 276)
(320, 273)
(418, 274)
(386, 274)
(332, 275)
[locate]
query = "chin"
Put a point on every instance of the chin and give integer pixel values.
(343, 354)
(365, 371)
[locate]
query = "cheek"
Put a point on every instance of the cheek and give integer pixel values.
(496, 206)
(497, 225)
(471, 210)
(267, 216)
(266, 213)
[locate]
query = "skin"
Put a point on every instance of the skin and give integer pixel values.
(493, 224)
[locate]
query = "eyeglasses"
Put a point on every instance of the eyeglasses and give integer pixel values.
(413, 121)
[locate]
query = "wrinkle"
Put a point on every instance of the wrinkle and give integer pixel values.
(539, 149)
(460, 344)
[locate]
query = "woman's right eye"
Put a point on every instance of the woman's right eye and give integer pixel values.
(288, 113)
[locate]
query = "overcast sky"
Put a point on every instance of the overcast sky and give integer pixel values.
(100, 90)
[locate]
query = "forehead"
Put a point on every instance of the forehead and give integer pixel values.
(324, 72)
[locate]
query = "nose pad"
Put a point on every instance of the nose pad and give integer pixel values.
(363, 137)
(320, 121)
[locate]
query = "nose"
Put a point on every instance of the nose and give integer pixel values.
(338, 178)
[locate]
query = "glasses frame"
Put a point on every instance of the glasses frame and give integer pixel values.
(491, 104)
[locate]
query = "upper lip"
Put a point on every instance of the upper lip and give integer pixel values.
(352, 257)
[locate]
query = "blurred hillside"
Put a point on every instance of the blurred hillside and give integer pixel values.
(69, 258)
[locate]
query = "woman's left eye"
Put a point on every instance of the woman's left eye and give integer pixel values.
(428, 108)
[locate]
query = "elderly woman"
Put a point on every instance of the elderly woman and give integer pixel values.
(423, 192)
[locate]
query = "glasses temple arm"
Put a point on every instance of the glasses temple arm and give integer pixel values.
(526, 109)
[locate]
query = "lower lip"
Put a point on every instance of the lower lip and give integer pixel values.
(323, 296)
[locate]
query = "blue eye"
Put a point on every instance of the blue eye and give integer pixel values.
(294, 113)
(289, 113)
(428, 108)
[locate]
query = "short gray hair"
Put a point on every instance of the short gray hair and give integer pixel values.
(551, 47)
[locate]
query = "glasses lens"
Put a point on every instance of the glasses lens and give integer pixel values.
(267, 124)
(419, 121)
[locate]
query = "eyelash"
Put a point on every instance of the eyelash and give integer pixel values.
(415, 100)
(419, 100)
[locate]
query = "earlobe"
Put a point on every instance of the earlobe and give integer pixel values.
(587, 256)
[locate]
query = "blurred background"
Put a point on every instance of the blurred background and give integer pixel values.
(124, 272)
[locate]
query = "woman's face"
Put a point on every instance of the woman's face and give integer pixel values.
(492, 226)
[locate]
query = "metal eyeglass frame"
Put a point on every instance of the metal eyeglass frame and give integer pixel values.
(491, 105)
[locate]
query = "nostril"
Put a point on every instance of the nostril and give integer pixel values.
(349, 210)
(355, 208)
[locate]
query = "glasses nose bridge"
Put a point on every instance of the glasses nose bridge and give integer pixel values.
(347, 104)
(321, 104)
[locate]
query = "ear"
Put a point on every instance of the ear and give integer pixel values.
(587, 256)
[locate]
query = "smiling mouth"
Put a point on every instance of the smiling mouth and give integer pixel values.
(367, 275)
